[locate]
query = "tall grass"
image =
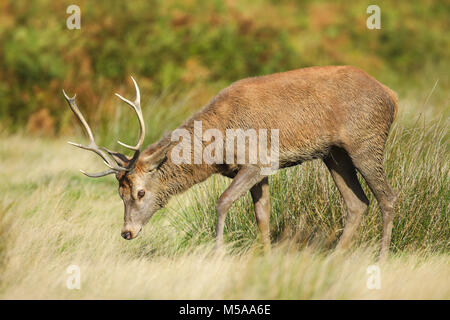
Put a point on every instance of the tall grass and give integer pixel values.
(307, 207)
(52, 217)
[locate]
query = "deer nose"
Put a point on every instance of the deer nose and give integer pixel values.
(126, 235)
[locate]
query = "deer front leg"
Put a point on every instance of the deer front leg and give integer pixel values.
(246, 178)
(261, 200)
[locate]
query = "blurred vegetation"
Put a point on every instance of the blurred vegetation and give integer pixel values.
(177, 46)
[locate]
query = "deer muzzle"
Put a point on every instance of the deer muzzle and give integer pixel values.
(129, 232)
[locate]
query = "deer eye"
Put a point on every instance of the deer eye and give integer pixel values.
(141, 193)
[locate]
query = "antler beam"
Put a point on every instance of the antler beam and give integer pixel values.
(92, 145)
(136, 106)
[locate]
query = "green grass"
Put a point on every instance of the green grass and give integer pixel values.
(51, 216)
(307, 207)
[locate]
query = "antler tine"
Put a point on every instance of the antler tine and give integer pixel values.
(136, 105)
(100, 174)
(92, 145)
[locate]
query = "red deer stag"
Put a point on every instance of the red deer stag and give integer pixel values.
(336, 113)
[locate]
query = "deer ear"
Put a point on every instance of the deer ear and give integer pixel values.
(154, 160)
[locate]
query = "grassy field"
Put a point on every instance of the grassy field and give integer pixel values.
(52, 217)
(181, 54)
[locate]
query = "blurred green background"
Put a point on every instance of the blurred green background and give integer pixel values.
(182, 52)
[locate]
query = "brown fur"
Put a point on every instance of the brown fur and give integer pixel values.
(336, 113)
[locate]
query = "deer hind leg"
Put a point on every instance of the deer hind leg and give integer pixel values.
(369, 162)
(246, 178)
(261, 200)
(344, 175)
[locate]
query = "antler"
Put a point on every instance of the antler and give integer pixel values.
(112, 159)
(136, 105)
(92, 145)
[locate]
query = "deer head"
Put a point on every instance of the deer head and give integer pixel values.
(139, 185)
